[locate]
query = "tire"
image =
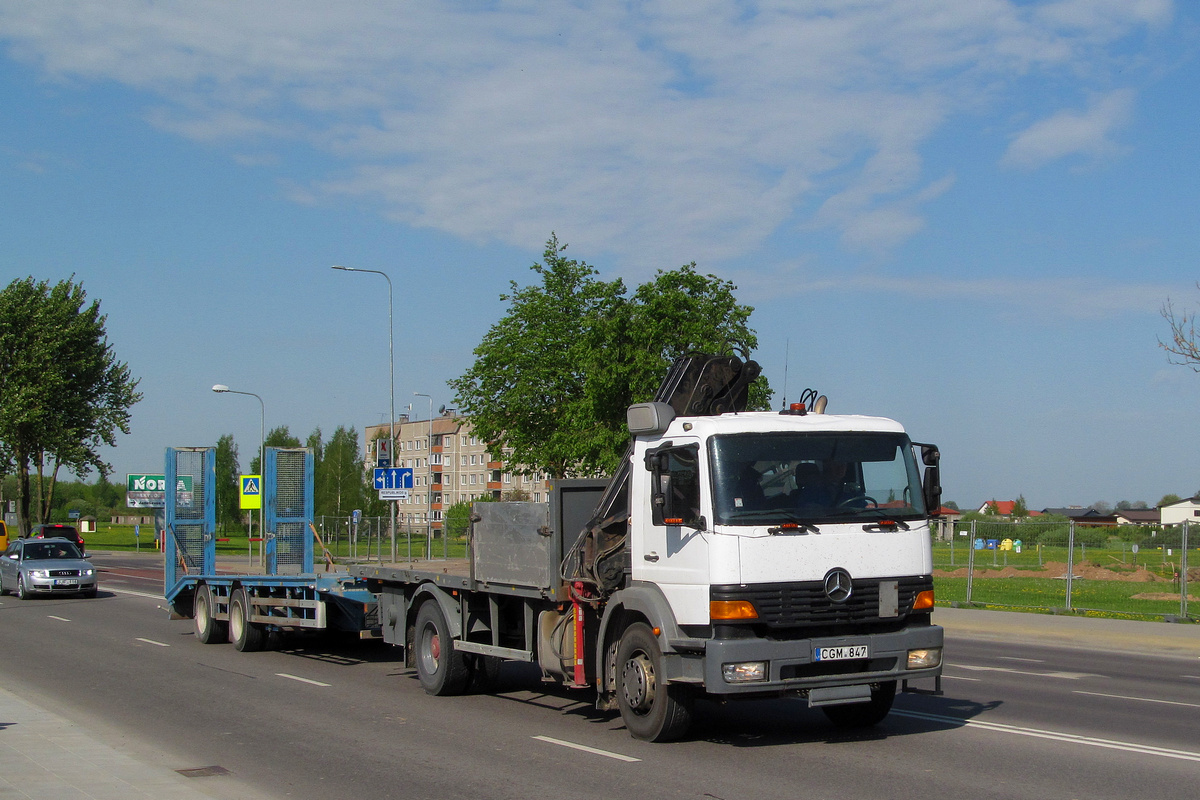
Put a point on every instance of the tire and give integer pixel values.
(651, 708)
(442, 669)
(864, 715)
(247, 636)
(22, 592)
(485, 673)
(208, 629)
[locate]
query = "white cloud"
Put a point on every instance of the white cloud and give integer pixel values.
(654, 132)
(1070, 133)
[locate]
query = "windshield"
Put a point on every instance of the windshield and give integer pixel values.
(773, 478)
(45, 550)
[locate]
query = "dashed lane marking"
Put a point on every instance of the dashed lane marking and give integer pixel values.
(301, 680)
(60, 619)
(151, 641)
(584, 748)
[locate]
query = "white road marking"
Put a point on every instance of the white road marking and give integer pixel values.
(1193, 677)
(60, 619)
(1142, 699)
(1071, 676)
(131, 592)
(1090, 741)
(586, 749)
(302, 680)
(1027, 660)
(151, 641)
(961, 678)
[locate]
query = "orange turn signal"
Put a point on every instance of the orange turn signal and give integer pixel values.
(923, 600)
(731, 609)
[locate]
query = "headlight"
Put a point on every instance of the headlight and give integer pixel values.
(746, 672)
(87, 573)
(39, 573)
(924, 659)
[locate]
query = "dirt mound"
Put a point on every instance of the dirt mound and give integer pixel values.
(1058, 569)
(1163, 596)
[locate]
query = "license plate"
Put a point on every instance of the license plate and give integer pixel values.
(841, 653)
(66, 583)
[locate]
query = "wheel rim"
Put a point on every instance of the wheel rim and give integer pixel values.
(237, 619)
(431, 649)
(202, 612)
(638, 682)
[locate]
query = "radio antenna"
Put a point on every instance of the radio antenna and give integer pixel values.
(787, 351)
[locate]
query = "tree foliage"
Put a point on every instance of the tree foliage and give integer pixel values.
(339, 481)
(228, 497)
(552, 378)
(1182, 347)
(64, 393)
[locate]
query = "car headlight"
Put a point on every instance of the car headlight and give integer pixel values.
(39, 573)
(925, 658)
(87, 573)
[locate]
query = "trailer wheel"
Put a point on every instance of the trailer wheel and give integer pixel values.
(651, 708)
(208, 629)
(247, 636)
(864, 715)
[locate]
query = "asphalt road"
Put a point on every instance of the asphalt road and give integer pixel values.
(343, 719)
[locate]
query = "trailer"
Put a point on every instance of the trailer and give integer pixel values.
(288, 595)
(734, 555)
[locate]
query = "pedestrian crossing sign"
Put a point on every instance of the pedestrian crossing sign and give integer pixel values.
(251, 494)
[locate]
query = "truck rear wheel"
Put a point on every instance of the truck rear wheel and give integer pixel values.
(864, 715)
(247, 636)
(208, 629)
(651, 708)
(441, 668)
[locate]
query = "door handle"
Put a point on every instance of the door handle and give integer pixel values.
(651, 556)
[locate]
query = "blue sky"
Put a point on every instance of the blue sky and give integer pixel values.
(963, 215)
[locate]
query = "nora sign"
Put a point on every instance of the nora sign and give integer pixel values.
(150, 491)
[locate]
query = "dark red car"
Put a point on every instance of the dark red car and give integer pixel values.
(57, 529)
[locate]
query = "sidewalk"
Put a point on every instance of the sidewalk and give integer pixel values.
(46, 757)
(1114, 635)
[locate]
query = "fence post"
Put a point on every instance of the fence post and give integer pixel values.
(1183, 569)
(970, 562)
(1070, 559)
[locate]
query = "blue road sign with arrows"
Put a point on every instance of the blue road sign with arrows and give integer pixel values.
(394, 478)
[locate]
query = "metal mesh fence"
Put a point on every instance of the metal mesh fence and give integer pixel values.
(291, 530)
(1070, 565)
(189, 512)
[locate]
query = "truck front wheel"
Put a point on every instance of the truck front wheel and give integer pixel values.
(864, 715)
(651, 708)
(441, 668)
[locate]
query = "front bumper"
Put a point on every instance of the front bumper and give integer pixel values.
(56, 585)
(791, 665)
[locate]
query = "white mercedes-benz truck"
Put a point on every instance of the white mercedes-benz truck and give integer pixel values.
(734, 555)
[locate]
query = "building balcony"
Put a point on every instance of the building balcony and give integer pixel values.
(495, 465)
(435, 506)
(494, 485)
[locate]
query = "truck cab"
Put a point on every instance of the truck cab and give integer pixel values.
(791, 552)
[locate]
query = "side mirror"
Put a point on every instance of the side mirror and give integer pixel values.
(931, 482)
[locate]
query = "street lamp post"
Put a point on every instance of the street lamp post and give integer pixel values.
(391, 389)
(429, 491)
(221, 388)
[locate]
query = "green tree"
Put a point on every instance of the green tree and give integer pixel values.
(228, 497)
(552, 379)
(340, 487)
(276, 437)
(1167, 499)
(64, 393)
(1020, 509)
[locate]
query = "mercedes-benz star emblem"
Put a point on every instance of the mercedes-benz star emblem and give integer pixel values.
(837, 585)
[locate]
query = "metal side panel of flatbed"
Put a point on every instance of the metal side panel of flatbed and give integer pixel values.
(314, 601)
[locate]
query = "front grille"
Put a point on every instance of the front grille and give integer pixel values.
(64, 573)
(804, 604)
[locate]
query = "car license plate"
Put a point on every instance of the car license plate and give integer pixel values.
(66, 583)
(841, 653)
